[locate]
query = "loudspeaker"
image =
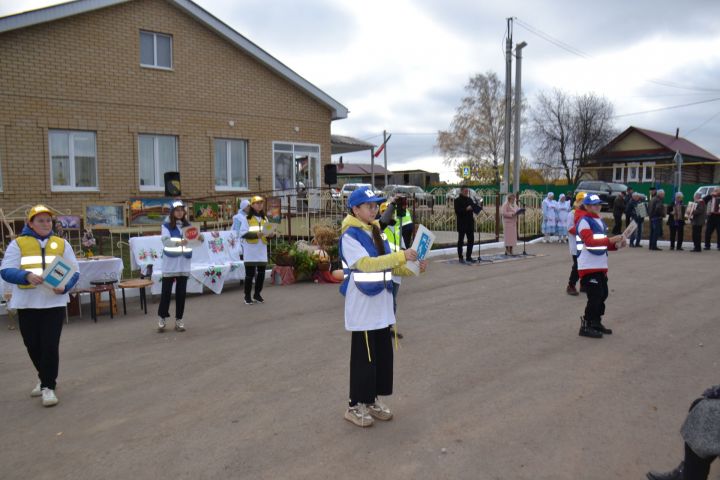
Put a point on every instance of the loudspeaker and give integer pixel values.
(330, 174)
(172, 184)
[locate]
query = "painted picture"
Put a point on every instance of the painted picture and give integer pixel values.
(273, 209)
(69, 221)
(206, 211)
(149, 211)
(107, 215)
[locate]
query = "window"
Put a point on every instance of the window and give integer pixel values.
(296, 166)
(618, 170)
(231, 165)
(157, 154)
(73, 160)
(633, 172)
(648, 172)
(155, 50)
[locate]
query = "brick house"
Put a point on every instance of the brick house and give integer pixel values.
(98, 98)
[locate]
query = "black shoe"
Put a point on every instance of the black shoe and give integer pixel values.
(696, 250)
(471, 260)
(248, 300)
(258, 298)
(601, 328)
(638, 246)
(672, 248)
(589, 332)
(680, 249)
(676, 474)
(461, 261)
(707, 248)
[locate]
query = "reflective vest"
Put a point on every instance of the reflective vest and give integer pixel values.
(598, 228)
(256, 227)
(393, 239)
(179, 250)
(369, 283)
(35, 258)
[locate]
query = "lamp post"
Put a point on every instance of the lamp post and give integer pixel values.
(518, 100)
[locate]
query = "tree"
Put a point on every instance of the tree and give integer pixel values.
(568, 130)
(476, 135)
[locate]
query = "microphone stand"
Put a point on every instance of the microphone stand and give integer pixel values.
(524, 229)
(480, 259)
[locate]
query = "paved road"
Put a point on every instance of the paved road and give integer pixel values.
(491, 370)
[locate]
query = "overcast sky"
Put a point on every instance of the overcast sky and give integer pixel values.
(402, 65)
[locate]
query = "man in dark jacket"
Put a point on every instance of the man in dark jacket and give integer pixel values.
(465, 224)
(632, 213)
(656, 213)
(618, 210)
(712, 204)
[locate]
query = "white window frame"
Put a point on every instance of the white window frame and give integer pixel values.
(651, 167)
(630, 166)
(159, 176)
(621, 168)
(71, 159)
(318, 178)
(155, 53)
(229, 187)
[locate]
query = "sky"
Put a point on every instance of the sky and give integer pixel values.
(402, 65)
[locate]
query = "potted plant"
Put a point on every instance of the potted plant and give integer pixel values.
(305, 264)
(281, 255)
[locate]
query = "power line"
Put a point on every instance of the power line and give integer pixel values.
(667, 108)
(703, 123)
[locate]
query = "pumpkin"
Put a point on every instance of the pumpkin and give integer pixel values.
(338, 274)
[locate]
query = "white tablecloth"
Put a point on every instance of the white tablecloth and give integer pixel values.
(105, 269)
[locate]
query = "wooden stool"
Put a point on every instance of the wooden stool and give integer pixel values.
(96, 303)
(139, 283)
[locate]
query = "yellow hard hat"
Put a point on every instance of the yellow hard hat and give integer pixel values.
(383, 207)
(580, 196)
(257, 198)
(38, 209)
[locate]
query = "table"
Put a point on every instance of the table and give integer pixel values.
(96, 290)
(100, 270)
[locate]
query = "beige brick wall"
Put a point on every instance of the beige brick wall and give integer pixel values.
(84, 73)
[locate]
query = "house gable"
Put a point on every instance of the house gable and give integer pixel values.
(634, 142)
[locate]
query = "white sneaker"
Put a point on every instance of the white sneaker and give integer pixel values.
(37, 391)
(380, 411)
(179, 326)
(49, 398)
(359, 415)
(161, 325)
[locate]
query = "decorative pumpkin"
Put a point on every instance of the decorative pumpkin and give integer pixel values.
(338, 274)
(321, 256)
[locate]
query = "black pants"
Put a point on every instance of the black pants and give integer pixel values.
(697, 236)
(676, 234)
(180, 288)
(696, 468)
(374, 376)
(596, 287)
(617, 228)
(258, 273)
(470, 234)
(41, 329)
(713, 225)
(574, 275)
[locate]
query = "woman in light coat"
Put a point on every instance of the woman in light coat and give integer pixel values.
(549, 210)
(509, 216)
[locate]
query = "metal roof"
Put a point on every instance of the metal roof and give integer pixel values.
(57, 12)
(344, 144)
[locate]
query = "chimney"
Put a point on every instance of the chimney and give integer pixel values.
(677, 133)
(340, 166)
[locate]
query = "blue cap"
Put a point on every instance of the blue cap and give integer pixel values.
(363, 195)
(591, 200)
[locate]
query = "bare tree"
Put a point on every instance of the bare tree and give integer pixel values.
(568, 130)
(476, 134)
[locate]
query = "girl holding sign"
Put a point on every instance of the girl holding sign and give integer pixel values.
(369, 265)
(255, 254)
(41, 311)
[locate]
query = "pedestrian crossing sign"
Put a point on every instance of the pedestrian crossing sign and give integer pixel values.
(466, 172)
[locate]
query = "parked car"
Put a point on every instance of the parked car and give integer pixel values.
(347, 189)
(411, 191)
(599, 188)
(705, 190)
(453, 193)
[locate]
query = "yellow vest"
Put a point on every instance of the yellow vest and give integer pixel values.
(256, 227)
(394, 239)
(34, 259)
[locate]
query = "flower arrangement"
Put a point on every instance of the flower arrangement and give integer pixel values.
(88, 242)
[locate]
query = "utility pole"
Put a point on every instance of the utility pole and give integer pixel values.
(372, 167)
(518, 109)
(385, 156)
(508, 110)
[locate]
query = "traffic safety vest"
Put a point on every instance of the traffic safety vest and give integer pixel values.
(369, 283)
(256, 227)
(35, 258)
(393, 238)
(179, 250)
(598, 228)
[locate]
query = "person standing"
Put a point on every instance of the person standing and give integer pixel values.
(549, 224)
(593, 266)
(657, 214)
(697, 220)
(635, 211)
(392, 228)
(463, 206)
(712, 210)
(237, 223)
(563, 207)
(255, 255)
(509, 216)
(618, 210)
(41, 311)
(573, 217)
(676, 221)
(369, 265)
(176, 262)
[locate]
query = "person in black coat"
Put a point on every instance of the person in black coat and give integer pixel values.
(618, 210)
(676, 221)
(464, 208)
(712, 209)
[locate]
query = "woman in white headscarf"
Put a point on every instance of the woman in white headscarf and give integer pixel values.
(563, 208)
(549, 210)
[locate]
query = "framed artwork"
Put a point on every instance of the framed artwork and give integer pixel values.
(69, 221)
(104, 215)
(273, 209)
(149, 211)
(206, 211)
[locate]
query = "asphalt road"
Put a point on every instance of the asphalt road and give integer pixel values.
(491, 381)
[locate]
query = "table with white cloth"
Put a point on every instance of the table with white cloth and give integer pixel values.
(99, 270)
